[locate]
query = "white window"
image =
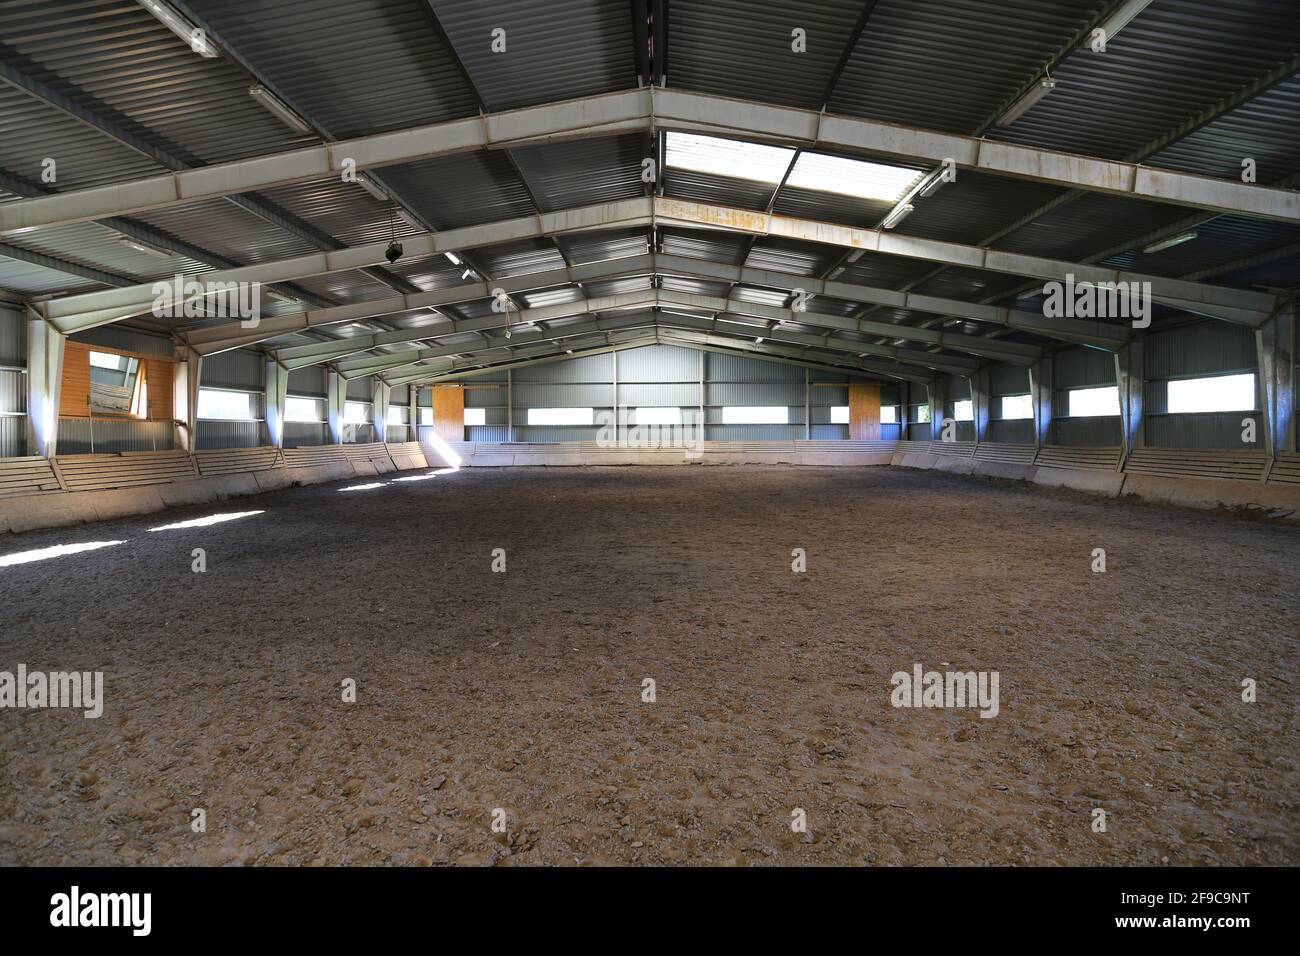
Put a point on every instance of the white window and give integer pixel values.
(922, 416)
(426, 416)
(839, 414)
(561, 416)
(356, 413)
(1017, 406)
(303, 409)
(475, 416)
(395, 415)
(1222, 393)
(755, 415)
(1094, 402)
(963, 411)
(889, 414)
(656, 415)
(230, 406)
(108, 360)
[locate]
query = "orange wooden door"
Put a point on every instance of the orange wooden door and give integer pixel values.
(864, 411)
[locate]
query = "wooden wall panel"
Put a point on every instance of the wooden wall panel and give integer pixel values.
(74, 390)
(158, 375)
(449, 413)
(864, 411)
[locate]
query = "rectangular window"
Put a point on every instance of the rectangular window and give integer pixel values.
(475, 416)
(426, 416)
(922, 414)
(1017, 406)
(1093, 402)
(356, 413)
(227, 406)
(303, 409)
(1222, 393)
(839, 414)
(395, 415)
(963, 411)
(755, 415)
(656, 415)
(889, 414)
(561, 416)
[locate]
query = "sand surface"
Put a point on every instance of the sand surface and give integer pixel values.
(523, 691)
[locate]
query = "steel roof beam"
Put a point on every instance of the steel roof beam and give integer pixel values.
(657, 108)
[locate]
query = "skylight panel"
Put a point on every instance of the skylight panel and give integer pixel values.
(852, 177)
(728, 157)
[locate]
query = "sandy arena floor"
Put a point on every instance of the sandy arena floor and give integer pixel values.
(522, 690)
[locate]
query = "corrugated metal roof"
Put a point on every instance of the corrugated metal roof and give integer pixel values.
(583, 172)
(1177, 58)
(744, 48)
(466, 189)
(974, 206)
(557, 50)
(950, 64)
(357, 66)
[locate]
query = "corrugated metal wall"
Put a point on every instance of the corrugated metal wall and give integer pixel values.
(239, 368)
(13, 383)
(308, 382)
(128, 340)
(1082, 368)
(1008, 380)
(82, 436)
(1194, 351)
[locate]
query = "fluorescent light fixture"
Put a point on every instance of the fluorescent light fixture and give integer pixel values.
(149, 250)
(897, 215)
(280, 296)
(196, 39)
(732, 158)
(276, 107)
(1120, 18)
(855, 255)
(1172, 241)
(934, 185)
(209, 520)
(57, 551)
(1026, 102)
(851, 177)
(759, 340)
(455, 259)
(467, 274)
(366, 184)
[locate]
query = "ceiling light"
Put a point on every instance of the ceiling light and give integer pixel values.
(855, 255)
(1026, 102)
(196, 39)
(898, 214)
(1172, 241)
(132, 243)
(759, 340)
(455, 259)
(851, 177)
(277, 108)
(371, 188)
(934, 185)
(467, 274)
(727, 157)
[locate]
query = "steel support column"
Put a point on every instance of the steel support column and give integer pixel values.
(185, 397)
(1040, 394)
(1275, 346)
(277, 399)
(380, 399)
(936, 392)
(1129, 376)
(44, 381)
(979, 403)
(336, 391)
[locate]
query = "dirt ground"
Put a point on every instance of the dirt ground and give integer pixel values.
(523, 690)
